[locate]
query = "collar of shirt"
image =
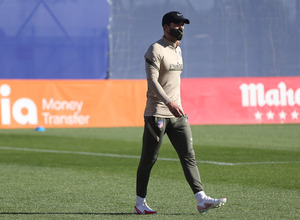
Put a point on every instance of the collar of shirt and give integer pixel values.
(170, 43)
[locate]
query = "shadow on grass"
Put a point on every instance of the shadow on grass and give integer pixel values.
(82, 213)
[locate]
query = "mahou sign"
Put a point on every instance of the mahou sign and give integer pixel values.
(255, 95)
(242, 100)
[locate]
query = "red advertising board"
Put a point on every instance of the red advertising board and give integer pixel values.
(242, 100)
(116, 103)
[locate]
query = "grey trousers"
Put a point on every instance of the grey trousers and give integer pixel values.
(180, 135)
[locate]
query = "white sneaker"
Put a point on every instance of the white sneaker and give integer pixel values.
(209, 203)
(143, 209)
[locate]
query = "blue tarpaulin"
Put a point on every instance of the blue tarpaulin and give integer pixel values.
(54, 39)
(99, 39)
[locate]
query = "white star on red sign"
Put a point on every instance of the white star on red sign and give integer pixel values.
(294, 114)
(270, 115)
(258, 115)
(282, 115)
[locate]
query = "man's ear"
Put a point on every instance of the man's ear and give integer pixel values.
(165, 27)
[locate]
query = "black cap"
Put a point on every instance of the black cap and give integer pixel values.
(175, 17)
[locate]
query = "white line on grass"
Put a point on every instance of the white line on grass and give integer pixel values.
(137, 157)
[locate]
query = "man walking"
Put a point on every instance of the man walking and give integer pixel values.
(165, 115)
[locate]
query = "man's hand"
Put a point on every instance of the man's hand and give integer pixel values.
(175, 109)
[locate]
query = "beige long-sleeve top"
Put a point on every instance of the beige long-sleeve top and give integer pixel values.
(163, 64)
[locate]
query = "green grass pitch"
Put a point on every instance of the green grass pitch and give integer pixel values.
(89, 173)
